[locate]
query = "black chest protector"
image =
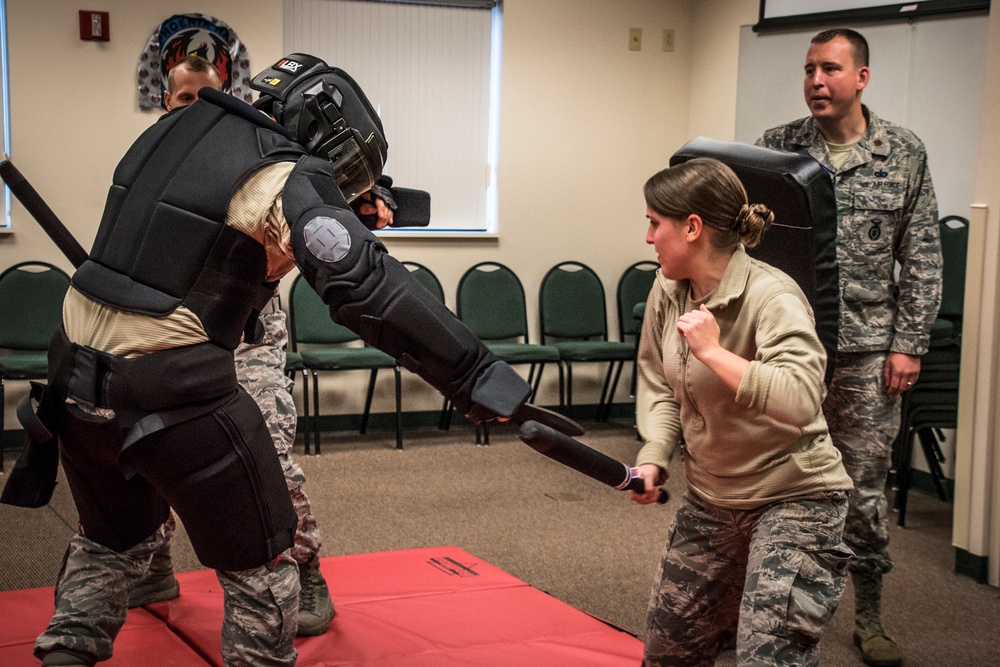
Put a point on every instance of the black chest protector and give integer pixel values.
(163, 241)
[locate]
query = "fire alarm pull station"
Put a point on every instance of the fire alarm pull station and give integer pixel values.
(95, 26)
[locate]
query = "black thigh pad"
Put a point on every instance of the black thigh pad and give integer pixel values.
(221, 475)
(115, 512)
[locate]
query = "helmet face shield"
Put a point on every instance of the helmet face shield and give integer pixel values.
(326, 112)
(350, 164)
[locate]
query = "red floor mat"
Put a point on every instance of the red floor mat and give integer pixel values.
(424, 607)
(144, 641)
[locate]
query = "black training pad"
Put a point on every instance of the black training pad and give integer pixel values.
(802, 240)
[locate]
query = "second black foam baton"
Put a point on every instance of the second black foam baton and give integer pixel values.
(578, 456)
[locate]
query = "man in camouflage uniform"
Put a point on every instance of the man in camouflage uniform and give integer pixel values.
(260, 369)
(886, 214)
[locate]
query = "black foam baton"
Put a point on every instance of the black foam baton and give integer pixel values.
(40, 211)
(578, 456)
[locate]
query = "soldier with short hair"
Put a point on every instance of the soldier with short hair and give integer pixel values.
(886, 215)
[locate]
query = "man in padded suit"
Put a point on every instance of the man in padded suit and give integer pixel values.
(147, 408)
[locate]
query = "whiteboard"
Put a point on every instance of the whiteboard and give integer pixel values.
(925, 75)
(774, 8)
(780, 14)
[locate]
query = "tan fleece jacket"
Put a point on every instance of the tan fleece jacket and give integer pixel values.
(768, 441)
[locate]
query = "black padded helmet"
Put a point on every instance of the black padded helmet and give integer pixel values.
(326, 112)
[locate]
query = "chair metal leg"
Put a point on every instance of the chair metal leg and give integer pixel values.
(569, 385)
(604, 391)
(399, 408)
(444, 420)
(315, 412)
(305, 408)
(632, 385)
(537, 381)
(531, 374)
(929, 445)
(483, 434)
(448, 414)
(559, 365)
(607, 400)
(368, 400)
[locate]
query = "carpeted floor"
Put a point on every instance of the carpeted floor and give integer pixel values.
(561, 532)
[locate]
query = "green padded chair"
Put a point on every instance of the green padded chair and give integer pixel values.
(327, 346)
(954, 250)
(426, 277)
(490, 301)
(31, 298)
(633, 289)
(573, 318)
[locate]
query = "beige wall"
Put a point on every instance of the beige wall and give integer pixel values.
(715, 45)
(74, 108)
(584, 121)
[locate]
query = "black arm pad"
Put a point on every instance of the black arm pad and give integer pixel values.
(375, 296)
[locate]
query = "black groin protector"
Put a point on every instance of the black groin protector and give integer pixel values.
(802, 242)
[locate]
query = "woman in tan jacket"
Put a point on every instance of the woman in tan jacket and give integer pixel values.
(731, 369)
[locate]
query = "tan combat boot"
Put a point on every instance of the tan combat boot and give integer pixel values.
(878, 649)
(315, 606)
(159, 584)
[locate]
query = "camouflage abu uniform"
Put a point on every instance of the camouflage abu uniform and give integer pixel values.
(770, 577)
(886, 213)
(260, 370)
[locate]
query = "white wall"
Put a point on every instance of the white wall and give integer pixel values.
(715, 47)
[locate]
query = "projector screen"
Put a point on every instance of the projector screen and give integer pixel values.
(777, 14)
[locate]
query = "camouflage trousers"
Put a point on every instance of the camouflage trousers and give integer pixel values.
(769, 578)
(864, 422)
(261, 605)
